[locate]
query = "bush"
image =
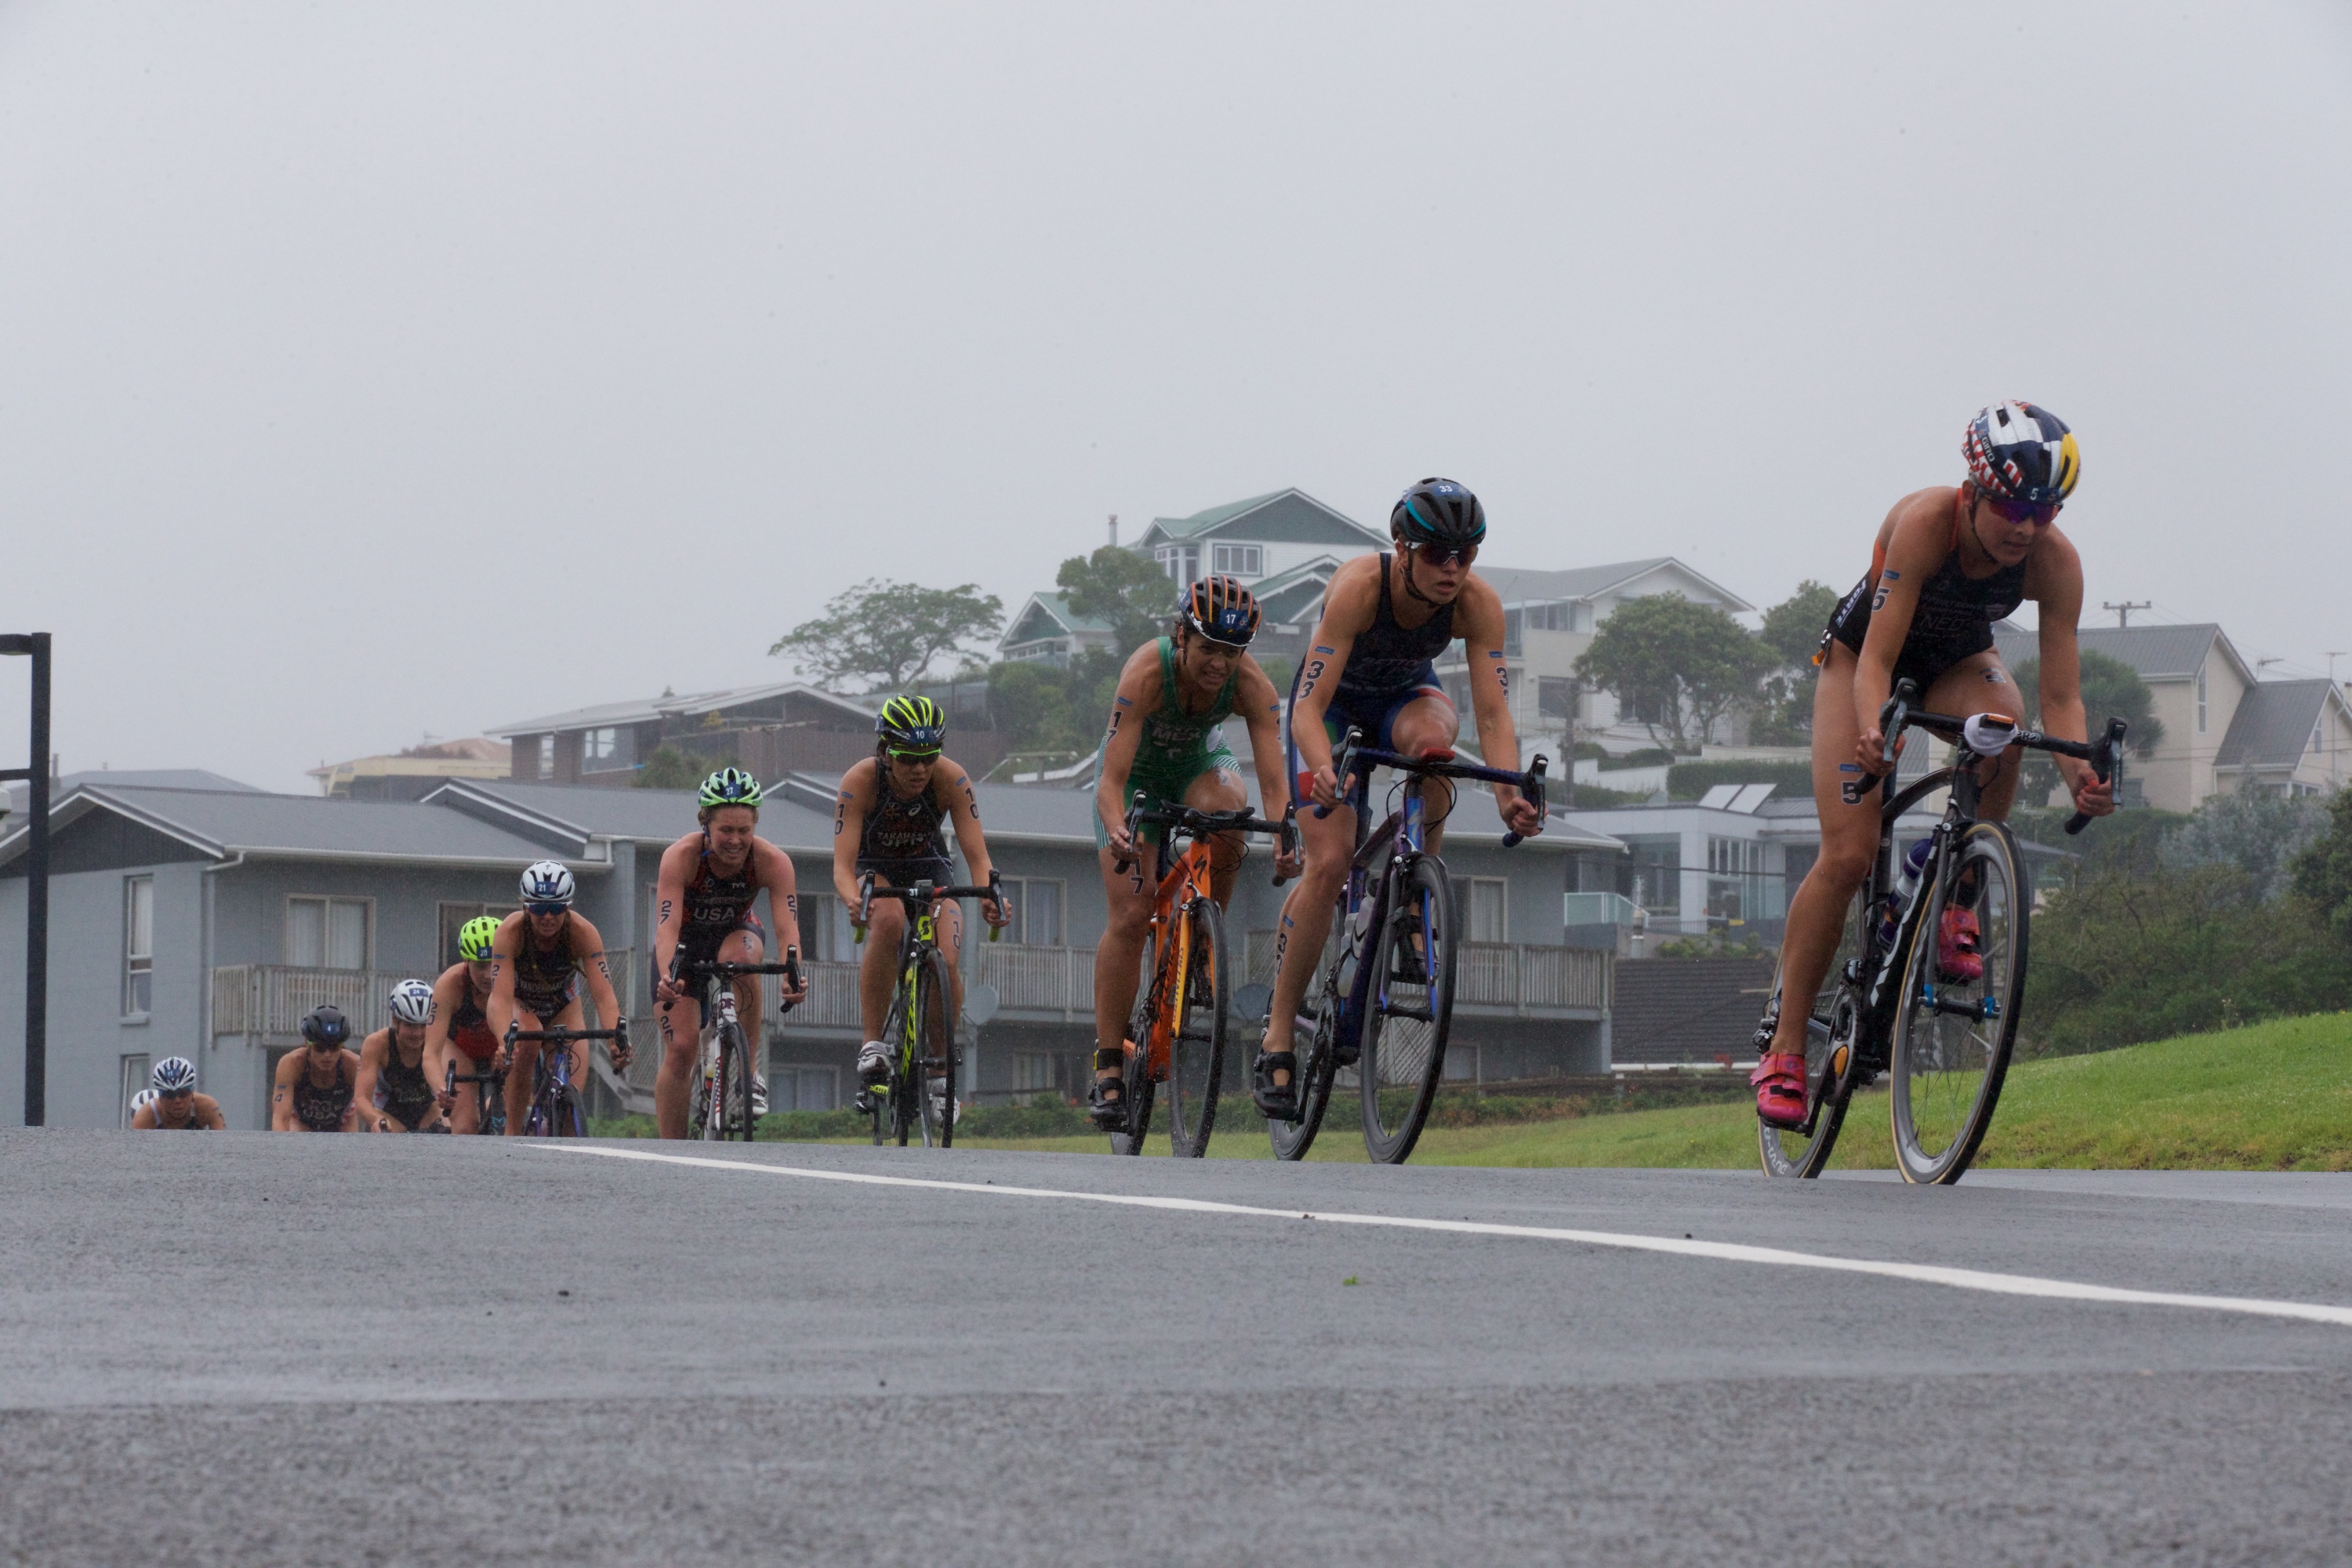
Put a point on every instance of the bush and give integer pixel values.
(1647, 757)
(1690, 781)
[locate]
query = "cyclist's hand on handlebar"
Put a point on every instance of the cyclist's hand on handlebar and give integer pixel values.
(1287, 860)
(668, 990)
(1519, 813)
(995, 913)
(1122, 844)
(1323, 786)
(2094, 796)
(1870, 751)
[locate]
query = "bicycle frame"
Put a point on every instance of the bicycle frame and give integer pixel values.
(552, 1071)
(918, 939)
(1182, 875)
(715, 996)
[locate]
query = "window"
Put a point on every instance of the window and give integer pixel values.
(1489, 906)
(1652, 871)
(1033, 1072)
(2201, 698)
(327, 934)
(134, 1078)
(453, 920)
(1036, 911)
(138, 945)
(1238, 560)
(1556, 698)
(1735, 886)
(607, 751)
(1181, 562)
(1553, 617)
(547, 756)
(1514, 633)
(795, 1085)
(826, 935)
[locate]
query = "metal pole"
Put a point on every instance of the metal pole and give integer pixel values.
(37, 880)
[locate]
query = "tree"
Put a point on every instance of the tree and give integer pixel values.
(1129, 590)
(1675, 665)
(888, 635)
(2255, 833)
(2323, 872)
(669, 768)
(1792, 632)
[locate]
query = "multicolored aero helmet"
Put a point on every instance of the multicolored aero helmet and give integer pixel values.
(2021, 453)
(174, 1075)
(1438, 511)
(1222, 610)
(474, 937)
(548, 885)
(411, 1003)
(912, 726)
(732, 786)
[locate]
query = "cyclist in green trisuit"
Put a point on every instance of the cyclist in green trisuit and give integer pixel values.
(1165, 740)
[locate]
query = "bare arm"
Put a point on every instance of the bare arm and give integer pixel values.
(364, 1086)
(670, 909)
(498, 1010)
(778, 874)
(851, 802)
(281, 1092)
(447, 992)
(145, 1118)
(951, 782)
(2054, 582)
(208, 1114)
(1480, 619)
(1260, 706)
(1138, 697)
(1349, 607)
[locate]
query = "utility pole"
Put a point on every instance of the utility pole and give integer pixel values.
(36, 878)
(1114, 529)
(2333, 655)
(2123, 611)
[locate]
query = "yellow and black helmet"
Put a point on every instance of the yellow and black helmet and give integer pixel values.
(912, 726)
(1222, 610)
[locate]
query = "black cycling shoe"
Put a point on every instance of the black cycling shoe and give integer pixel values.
(1276, 1101)
(1106, 1105)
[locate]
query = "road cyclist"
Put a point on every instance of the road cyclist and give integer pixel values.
(172, 1102)
(316, 1082)
(1946, 564)
(461, 1049)
(537, 961)
(1164, 748)
(1371, 667)
(886, 818)
(703, 900)
(395, 1090)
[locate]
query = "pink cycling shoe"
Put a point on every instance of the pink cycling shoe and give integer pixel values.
(1957, 958)
(1780, 1084)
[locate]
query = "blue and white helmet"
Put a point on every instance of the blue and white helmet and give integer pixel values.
(548, 882)
(411, 1003)
(174, 1075)
(142, 1100)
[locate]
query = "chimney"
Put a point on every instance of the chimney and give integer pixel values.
(1114, 531)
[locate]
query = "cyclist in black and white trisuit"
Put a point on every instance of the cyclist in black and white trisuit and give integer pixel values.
(395, 1092)
(1947, 563)
(315, 1084)
(173, 1104)
(708, 881)
(886, 820)
(536, 961)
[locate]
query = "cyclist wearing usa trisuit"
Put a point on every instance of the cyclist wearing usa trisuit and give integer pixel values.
(707, 883)
(886, 820)
(536, 961)
(461, 1034)
(314, 1089)
(174, 1105)
(1370, 665)
(1165, 740)
(1947, 563)
(395, 1092)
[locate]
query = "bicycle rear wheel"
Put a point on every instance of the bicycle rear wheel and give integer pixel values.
(1409, 1011)
(935, 1054)
(1954, 1031)
(1314, 1040)
(1835, 1022)
(1135, 1076)
(1196, 1044)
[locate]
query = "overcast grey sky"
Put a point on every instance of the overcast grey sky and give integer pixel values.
(372, 370)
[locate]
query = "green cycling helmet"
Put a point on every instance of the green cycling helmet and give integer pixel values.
(732, 786)
(912, 726)
(474, 938)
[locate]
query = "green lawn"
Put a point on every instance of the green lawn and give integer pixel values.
(2271, 1097)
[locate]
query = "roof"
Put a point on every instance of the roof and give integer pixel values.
(142, 778)
(638, 815)
(1288, 595)
(2272, 725)
(667, 705)
(1286, 515)
(225, 823)
(1054, 607)
(1516, 585)
(2157, 653)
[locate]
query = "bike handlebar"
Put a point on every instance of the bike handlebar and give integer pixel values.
(1201, 823)
(1354, 756)
(1897, 714)
(924, 893)
(516, 1032)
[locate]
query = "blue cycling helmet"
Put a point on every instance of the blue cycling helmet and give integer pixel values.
(2019, 452)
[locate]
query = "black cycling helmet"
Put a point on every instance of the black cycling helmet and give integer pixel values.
(326, 1025)
(1223, 611)
(1438, 511)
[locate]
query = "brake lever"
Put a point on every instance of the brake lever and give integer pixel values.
(1530, 784)
(2108, 753)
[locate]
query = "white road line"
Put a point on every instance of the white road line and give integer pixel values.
(1724, 1251)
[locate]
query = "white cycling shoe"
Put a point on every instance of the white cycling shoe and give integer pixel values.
(874, 1063)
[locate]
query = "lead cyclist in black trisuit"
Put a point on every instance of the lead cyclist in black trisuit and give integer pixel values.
(1948, 561)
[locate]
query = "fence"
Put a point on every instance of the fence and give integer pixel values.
(1517, 978)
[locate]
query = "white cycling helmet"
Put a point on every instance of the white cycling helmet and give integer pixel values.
(548, 882)
(175, 1074)
(142, 1100)
(411, 1003)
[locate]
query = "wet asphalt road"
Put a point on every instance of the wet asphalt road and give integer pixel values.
(251, 1348)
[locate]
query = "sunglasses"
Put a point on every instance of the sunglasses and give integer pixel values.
(2017, 511)
(175, 1094)
(898, 756)
(548, 909)
(1446, 555)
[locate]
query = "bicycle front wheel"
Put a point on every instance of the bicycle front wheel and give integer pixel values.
(1196, 1044)
(731, 1118)
(934, 1079)
(1958, 1019)
(1408, 1011)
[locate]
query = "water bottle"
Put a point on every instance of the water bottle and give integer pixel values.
(1906, 882)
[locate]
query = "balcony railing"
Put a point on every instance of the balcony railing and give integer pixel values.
(1502, 978)
(267, 1000)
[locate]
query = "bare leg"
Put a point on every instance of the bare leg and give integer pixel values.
(878, 974)
(1118, 958)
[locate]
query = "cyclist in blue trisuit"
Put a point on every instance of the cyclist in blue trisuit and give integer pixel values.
(1948, 561)
(1166, 740)
(703, 901)
(1373, 664)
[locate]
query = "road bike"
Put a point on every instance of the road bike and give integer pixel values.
(1176, 1033)
(489, 1096)
(1897, 1002)
(726, 1106)
(1383, 1003)
(555, 1107)
(919, 1092)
